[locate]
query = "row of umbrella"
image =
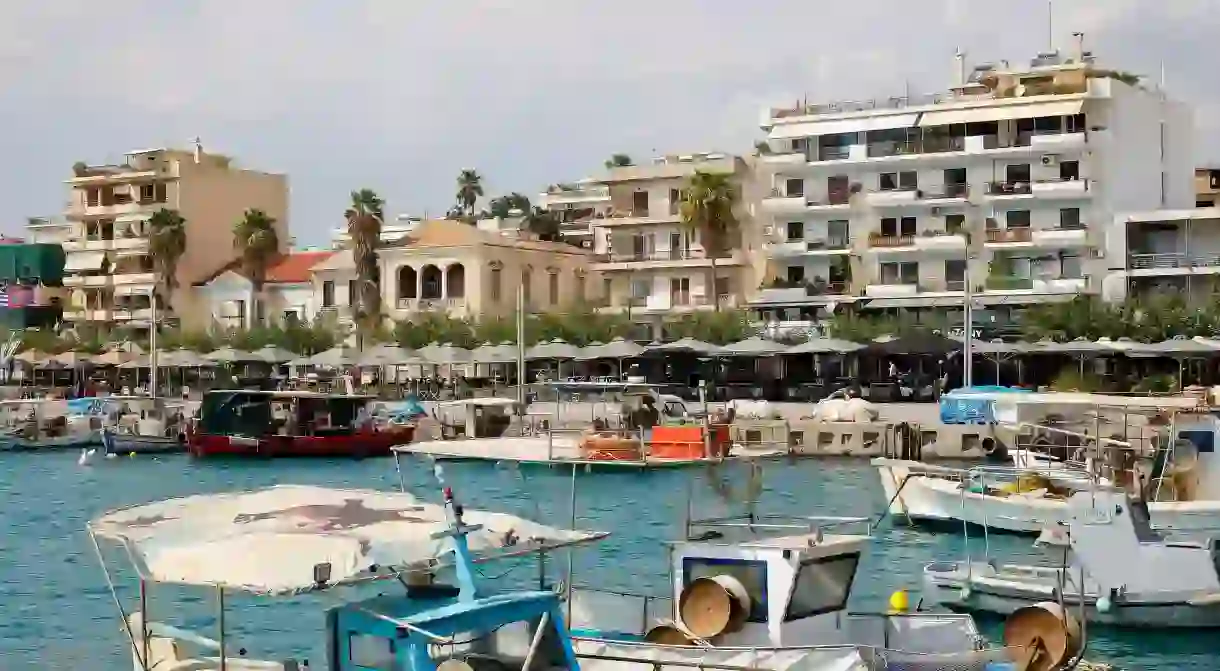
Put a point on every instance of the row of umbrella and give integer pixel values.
(1176, 347)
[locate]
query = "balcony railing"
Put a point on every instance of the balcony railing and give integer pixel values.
(881, 240)
(832, 153)
(832, 243)
(1000, 235)
(667, 255)
(955, 285)
(1006, 283)
(1172, 260)
(930, 145)
(949, 191)
(1009, 188)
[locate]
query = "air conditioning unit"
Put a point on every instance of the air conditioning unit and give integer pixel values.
(586, 244)
(936, 211)
(768, 231)
(1050, 160)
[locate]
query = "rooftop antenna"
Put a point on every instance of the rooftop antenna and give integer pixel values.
(1079, 36)
(198, 150)
(960, 57)
(1050, 25)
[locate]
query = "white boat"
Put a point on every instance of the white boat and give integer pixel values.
(1158, 583)
(1181, 479)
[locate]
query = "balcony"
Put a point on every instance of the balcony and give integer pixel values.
(946, 192)
(1040, 285)
(791, 159)
(824, 247)
(1060, 188)
(676, 258)
(1056, 142)
(134, 278)
(1009, 189)
(86, 280)
(778, 203)
(1063, 236)
(78, 313)
(1007, 283)
(928, 145)
(893, 197)
(431, 304)
(787, 292)
(895, 290)
(1001, 236)
(1150, 263)
(882, 241)
(940, 241)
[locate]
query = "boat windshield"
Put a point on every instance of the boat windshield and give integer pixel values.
(822, 586)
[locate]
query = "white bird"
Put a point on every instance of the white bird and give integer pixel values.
(86, 456)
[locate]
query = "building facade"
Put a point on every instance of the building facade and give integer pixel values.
(109, 270)
(651, 265)
(287, 295)
(868, 204)
(453, 268)
(581, 208)
(1207, 186)
(1165, 251)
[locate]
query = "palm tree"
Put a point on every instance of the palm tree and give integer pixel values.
(708, 206)
(470, 189)
(166, 245)
(364, 220)
(619, 161)
(258, 243)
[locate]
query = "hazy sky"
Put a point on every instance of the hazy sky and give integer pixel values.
(399, 95)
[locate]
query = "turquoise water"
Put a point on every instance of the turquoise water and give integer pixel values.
(58, 613)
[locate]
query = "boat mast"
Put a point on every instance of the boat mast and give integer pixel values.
(458, 530)
(521, 347)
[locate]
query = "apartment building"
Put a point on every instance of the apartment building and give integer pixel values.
(453, 268)
(869, 202)
(287, 296)
(580, 208)
(1165, 251)
(652, 266)
(109, 272)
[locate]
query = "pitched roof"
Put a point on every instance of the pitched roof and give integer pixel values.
(291, 268)
(446, 233)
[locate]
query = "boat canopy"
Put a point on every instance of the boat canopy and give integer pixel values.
(292, 539)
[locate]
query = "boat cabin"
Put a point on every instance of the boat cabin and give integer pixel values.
(289, 413)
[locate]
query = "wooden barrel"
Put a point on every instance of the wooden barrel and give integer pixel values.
(667, 634)
(1042, 636)
(713, 606)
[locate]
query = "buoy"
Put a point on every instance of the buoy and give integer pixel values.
(132, 454)
(900, 602)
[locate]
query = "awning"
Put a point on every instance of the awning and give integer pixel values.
(85, 261)
(1001, 113)
(861, 124)
(1027, 299)
(915, 302)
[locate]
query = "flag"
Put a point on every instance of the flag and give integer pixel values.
(3, 297)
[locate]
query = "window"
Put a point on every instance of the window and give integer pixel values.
(752, 574)
(1069, 217)
(370, 652)
(837, 233)
(1075, 124)
(353, 293)
(954, 223)
(93, 197)
(607, 289)
(908, 180)
(796, 274)
(553, 288)
(838, 189)
(1069, 267)
(889, 227)
(639, 204)
(496, 289)
(291, 317)
(1021, 267)
(822, 586)
(580, 287)
(675, 201)
(906, 272)
(796, 231)
(159, 192)
(955, 271)
(328, 294)
(1017, 173)
(887, 181)
(679, 291)
(907, 226)
(1017, 218)
(1069, 170)
(724, 286)
(526, 293)
(147, 193)
(641, 288)
(1213, 179)
(955, 176)
(794, 187)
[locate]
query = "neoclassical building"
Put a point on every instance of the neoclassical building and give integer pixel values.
(448, 266)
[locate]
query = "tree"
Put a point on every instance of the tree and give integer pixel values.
(470, 189)
(708, 206)
(364, 220)
(503, 206)
(166, 245)
(544, 224)
(258, 243)
(619, 161)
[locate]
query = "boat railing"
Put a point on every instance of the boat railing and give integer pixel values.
(778, 525)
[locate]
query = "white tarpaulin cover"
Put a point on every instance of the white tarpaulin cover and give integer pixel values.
(653, 658)
(268, 541)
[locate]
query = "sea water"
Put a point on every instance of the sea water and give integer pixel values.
(57, 611)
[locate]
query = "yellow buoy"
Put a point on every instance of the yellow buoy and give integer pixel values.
(132, 454)
(899, 601)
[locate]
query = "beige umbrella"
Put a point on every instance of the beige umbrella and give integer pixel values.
(31, 356)
(72, 359)
(113, 358)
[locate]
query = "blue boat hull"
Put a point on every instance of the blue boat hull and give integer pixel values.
(118, 443)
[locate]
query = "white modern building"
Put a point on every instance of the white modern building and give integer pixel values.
(869, 202)
(1165, 251)
(580, 207)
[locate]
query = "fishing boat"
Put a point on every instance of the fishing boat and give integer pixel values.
(253, 423)
(1162, 448)
(157, 428)
(292, 540)
(1159, 583)
(482, 429)
(35, 425)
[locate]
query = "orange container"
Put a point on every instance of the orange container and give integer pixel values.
(686, 442)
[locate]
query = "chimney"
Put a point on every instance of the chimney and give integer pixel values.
(198, 151)
(1079, 55)
(960, 57)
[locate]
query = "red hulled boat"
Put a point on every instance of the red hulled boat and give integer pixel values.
(248, 423)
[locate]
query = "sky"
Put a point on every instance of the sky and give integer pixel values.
(401, 95)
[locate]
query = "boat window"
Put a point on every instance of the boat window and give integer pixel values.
(1204, 440)
(822, 586)
(370, 652)
(751, 574)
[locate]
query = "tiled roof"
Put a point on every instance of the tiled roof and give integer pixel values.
(290, 268)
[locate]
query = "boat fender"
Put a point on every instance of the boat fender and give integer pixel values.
(964, 593)
(1104, 604)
